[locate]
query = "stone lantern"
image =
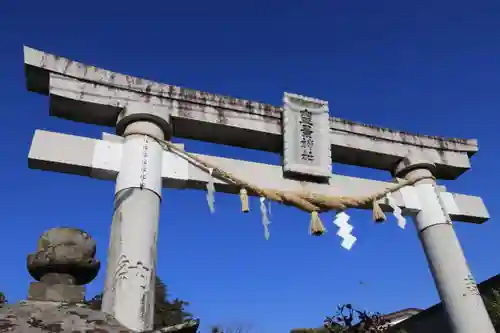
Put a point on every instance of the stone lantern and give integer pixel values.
(62, 264)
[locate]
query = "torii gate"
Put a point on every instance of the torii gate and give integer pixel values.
(145, 112)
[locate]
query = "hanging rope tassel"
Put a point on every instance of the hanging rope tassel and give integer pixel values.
(378, 214)
(244, 201)
(316, 227)
(211, 191)
(265, 218)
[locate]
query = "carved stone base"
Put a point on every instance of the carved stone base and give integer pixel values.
(40, 291)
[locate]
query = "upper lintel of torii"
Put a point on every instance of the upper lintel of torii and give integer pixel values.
(92, 95)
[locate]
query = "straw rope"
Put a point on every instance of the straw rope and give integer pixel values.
(306, 201)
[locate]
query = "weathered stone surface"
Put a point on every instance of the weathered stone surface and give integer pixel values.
(56, 292)
(92, 95)
(46, 316)
(63, 262)
(64, 253)
(59, 317)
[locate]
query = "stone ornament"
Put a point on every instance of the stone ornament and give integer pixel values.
(64, 254)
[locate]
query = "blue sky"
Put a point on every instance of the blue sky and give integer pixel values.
(430, 67)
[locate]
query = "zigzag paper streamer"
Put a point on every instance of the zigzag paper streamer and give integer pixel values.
(265, 218)
(211, 191)
(397, 211)
(345, 229)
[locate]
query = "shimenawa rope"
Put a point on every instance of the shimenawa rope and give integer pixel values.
(306, 201)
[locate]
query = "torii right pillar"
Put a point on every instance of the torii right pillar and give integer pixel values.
(456, 286)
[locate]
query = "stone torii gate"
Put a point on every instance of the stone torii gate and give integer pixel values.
(144, 112)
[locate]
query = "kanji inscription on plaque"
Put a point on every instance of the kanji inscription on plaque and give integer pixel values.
(306, 142)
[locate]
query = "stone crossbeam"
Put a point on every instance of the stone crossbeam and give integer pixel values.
(101, 159)
(92, 95)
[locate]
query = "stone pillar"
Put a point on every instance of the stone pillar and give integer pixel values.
(130, 275)
(63, 263)
(454, 281)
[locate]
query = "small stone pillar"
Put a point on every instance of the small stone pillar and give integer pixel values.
(63, 263)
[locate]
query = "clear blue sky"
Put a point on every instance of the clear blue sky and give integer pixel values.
(431, 67)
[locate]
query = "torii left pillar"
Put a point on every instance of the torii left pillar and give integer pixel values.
(131, 263)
